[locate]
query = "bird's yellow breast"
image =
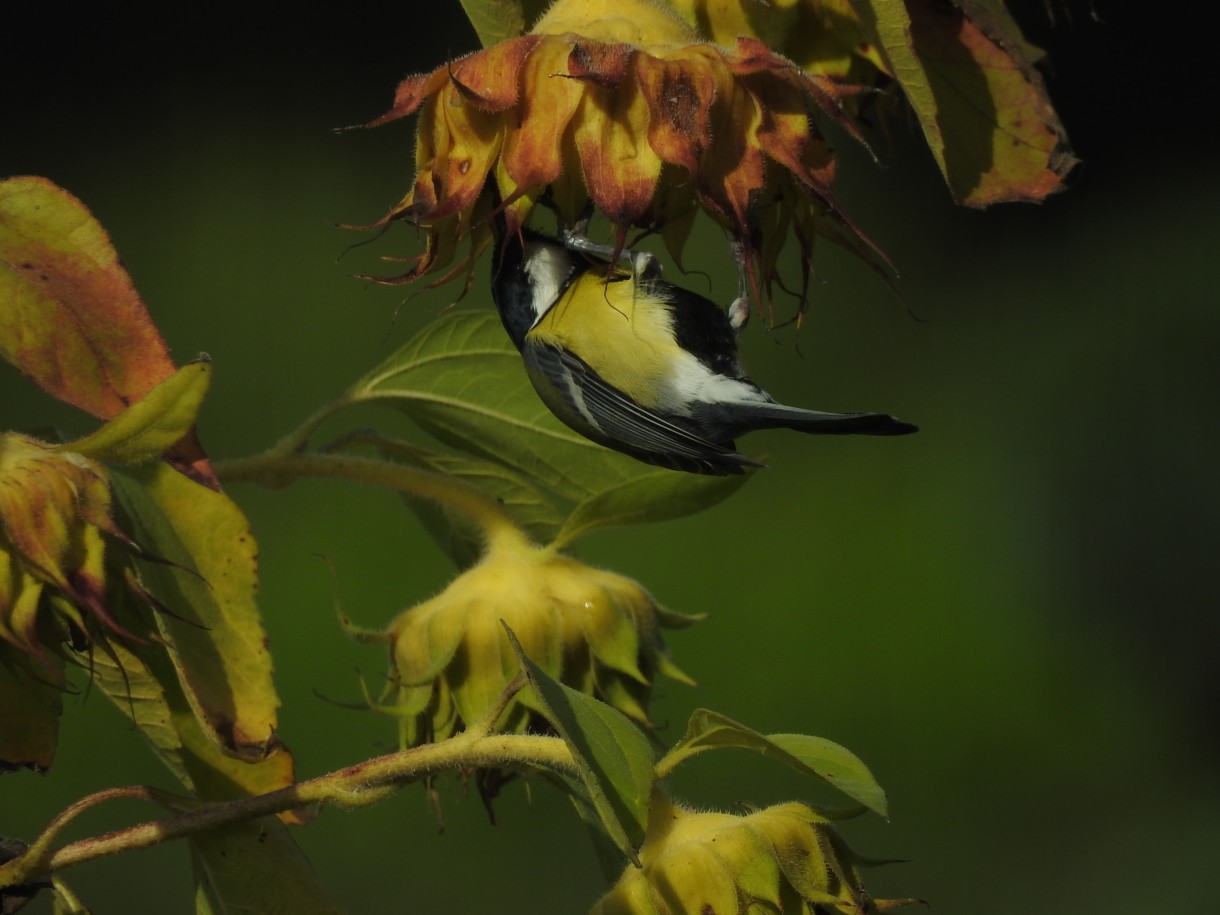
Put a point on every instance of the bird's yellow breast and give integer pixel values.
(619, 330)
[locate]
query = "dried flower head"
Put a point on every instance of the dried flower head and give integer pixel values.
(54, 521)
(622, 105)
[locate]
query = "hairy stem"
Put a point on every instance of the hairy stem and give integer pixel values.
(358, 785)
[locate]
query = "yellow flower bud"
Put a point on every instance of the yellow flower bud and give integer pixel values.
(594, 630)
(782, 858)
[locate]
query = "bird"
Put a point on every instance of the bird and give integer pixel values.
(638, 364)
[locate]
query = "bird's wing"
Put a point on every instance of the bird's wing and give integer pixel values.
(606, 415)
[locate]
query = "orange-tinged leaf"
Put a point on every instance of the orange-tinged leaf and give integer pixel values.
(467, 142)
(983, 110)
(70, 317)
(1003, 140)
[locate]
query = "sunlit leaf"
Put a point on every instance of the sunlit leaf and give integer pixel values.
(208, 588)
(983, 109)
(613, 757)
(29, 714)
(462, 380)
(255, 867)
(708, 730)
(70, 317)
(146, 429)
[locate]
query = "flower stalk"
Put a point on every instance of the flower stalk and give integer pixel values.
(354, 786)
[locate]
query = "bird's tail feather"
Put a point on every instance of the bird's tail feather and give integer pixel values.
(778, 416)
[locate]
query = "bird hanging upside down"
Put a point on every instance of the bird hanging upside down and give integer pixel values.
(638, 364)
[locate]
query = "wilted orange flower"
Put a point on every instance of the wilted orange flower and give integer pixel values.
(622, 104)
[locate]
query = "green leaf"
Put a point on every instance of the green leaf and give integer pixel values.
(495, 20)
(613, 757)
(29, 714)
(255, 867)
(149, 427)
(208, 585)
(984, 111)
(836, 765)
(462, 380)
(657, 496)
(70, 317)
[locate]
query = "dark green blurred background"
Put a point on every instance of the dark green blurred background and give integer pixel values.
(1011, 616)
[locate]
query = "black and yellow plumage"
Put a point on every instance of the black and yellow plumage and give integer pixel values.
(638, 364)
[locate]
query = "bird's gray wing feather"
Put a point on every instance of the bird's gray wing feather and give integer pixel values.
(603, 413)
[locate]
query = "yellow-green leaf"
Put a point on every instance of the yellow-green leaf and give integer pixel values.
(462, 380)
(834, 764)
(150, 426)
(70, 317)
(613, 757)
(208, 587)
(656, 496)
(495, 20)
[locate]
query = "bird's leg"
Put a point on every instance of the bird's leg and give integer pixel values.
(644, 264)
(739, 309)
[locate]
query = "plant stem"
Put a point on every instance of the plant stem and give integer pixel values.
(361, 784)
(275, 468)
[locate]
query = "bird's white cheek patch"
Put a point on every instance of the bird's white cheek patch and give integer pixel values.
(548, 269)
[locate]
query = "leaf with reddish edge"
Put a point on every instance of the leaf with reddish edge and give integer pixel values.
(70, 317)
(983, 109)
(1003, 140)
